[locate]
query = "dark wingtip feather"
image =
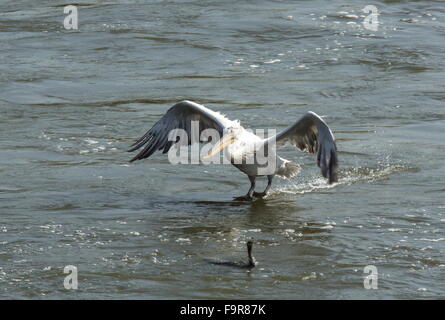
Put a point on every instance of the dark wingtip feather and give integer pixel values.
(333, 177)
(333, 165)
(132, 149)
(140, 142)
(139, 156)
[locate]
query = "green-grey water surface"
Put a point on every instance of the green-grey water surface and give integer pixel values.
(72, 101)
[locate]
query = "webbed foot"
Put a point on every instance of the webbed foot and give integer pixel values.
(244, 198)
(259, 194)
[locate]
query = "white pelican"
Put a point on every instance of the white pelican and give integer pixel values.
(310, 133)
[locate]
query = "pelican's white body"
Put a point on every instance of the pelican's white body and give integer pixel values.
(248, 155)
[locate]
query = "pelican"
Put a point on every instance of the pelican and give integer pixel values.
(310, 134)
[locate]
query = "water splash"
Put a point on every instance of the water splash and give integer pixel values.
(347, 176)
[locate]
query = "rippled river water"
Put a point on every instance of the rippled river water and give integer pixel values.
(72, 101)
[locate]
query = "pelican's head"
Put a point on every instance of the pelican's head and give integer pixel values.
(230, 135)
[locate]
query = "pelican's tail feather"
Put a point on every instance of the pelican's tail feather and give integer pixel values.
(288, 169)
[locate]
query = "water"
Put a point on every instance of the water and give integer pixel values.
(71, 103)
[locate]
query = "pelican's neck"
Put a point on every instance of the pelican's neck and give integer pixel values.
(244, 139)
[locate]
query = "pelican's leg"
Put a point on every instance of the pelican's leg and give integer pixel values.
(248, 196)
(269, 184)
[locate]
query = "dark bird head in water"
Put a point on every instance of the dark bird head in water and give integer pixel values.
(240, 264)
(252, 261)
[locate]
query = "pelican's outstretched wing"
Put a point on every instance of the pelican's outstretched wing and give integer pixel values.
(312, 134)
(178, 116)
